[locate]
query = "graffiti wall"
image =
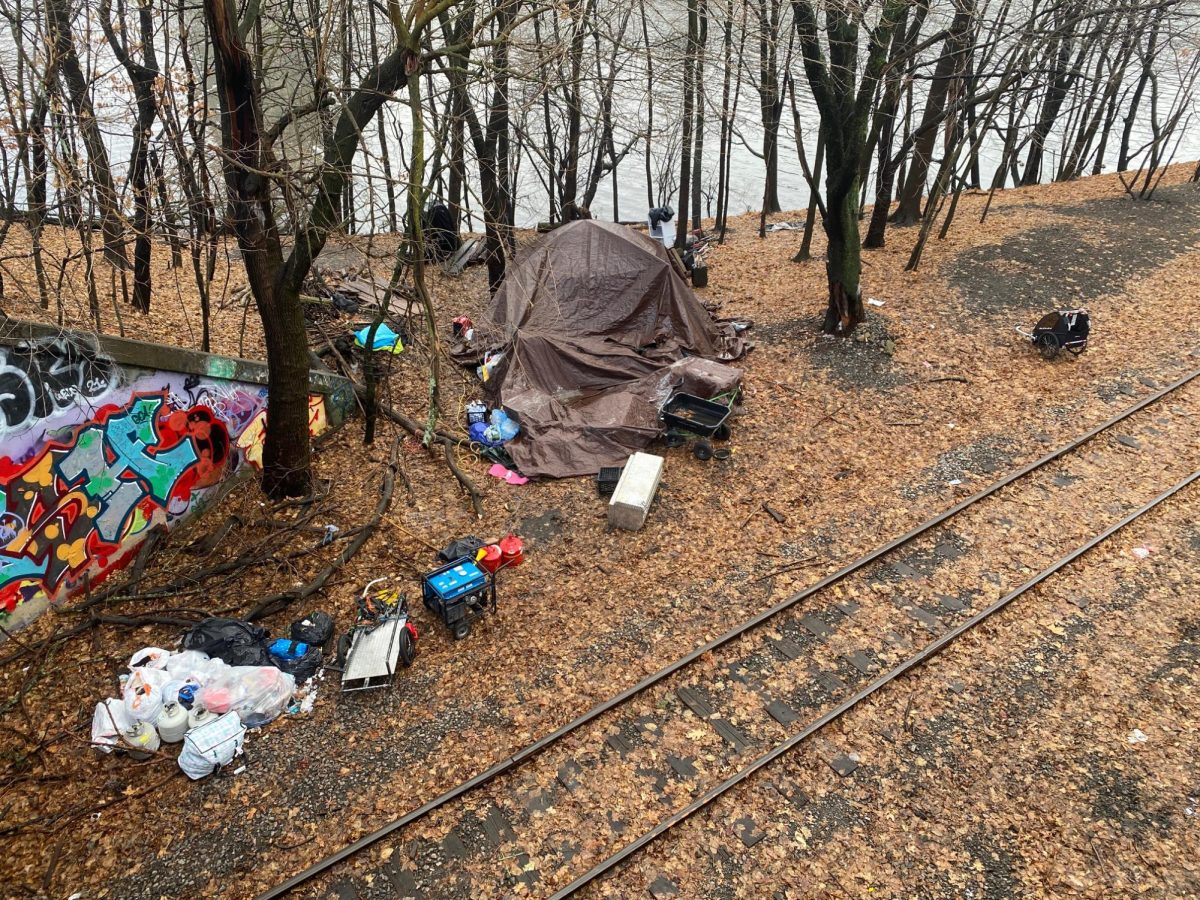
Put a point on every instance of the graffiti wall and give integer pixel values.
(94, 454)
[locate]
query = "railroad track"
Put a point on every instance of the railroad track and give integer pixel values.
(569, 808)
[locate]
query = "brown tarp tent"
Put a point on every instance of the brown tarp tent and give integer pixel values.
(598, 330)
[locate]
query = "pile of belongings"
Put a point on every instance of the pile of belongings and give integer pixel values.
(227, 676)
(597, 329)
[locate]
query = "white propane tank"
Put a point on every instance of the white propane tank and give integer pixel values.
(141, 740)
(172, 723)
(199, 716)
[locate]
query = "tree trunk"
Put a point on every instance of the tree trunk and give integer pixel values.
(685, 165)
(844, 100)
(58, 23)
(698, 135)
(1143, 80)
(286, 451)
(903, 43)
(843, 267)
(913, 189)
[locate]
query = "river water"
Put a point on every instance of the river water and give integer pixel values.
(632, 110)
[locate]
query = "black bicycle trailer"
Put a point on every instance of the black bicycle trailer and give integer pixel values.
(1065, 329)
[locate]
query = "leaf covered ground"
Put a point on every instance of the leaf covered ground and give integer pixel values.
(851, 442)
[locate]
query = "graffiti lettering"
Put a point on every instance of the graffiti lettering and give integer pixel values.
(41, 378)
(79, 501)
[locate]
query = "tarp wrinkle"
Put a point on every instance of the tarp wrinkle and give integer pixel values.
(599, 330)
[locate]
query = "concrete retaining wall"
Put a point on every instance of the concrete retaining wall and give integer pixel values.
(102, 440)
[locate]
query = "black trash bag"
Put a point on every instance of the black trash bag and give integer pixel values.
(464, 546)
(441, 237)
(237, 643)
(301, 667)
(315, 629)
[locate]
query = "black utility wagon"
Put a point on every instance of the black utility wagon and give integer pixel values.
(1065, 329)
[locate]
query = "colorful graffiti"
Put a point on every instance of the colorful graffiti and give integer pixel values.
(251, 440)
(94, 455)
(76, 504)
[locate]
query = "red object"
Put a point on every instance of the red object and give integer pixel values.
(512, 551)
(492, 559)
(461, 325)
(412, 630)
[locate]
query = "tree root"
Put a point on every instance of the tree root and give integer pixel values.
(448, 442)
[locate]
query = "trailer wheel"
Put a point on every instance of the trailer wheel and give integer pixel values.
(408, 650)
(723, 432)
(343, 648)
(1048, 345)
(702, 450)
(461, 630)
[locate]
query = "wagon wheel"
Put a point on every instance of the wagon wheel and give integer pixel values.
(1078, 351)
(461, 630)
(723, 432)
(1048, 345)
(702, 450)
(408, 650)
(343, 649)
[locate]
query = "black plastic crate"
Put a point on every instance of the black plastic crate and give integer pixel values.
(607, 478)
(694, 414)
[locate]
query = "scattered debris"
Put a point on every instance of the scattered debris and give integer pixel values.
(775, 514)
(508, 476)
(1137, 736)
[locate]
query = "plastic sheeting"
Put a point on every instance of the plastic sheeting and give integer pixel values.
(599, 328)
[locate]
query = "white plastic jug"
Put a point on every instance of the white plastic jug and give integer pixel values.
(172, 723)
(141, 740)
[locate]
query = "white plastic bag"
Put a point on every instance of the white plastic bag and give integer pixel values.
(195, 667)
(208, 747)
(108, 722)
(144, 695)
(150, 657)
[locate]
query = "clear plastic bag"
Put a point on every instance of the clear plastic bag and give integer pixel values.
(258, 694)
(195, 667)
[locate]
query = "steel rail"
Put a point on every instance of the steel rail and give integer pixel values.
(538, 746)
(917, 659)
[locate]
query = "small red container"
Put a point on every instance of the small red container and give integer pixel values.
(512, 551)
(492, 558)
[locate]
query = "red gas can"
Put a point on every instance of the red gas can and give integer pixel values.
(492, 558)
(512, 551)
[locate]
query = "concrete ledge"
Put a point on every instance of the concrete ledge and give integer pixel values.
(177, 359)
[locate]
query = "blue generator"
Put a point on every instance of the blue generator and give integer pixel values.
(458, 593)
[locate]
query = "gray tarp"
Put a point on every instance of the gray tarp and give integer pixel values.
(599, 330)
